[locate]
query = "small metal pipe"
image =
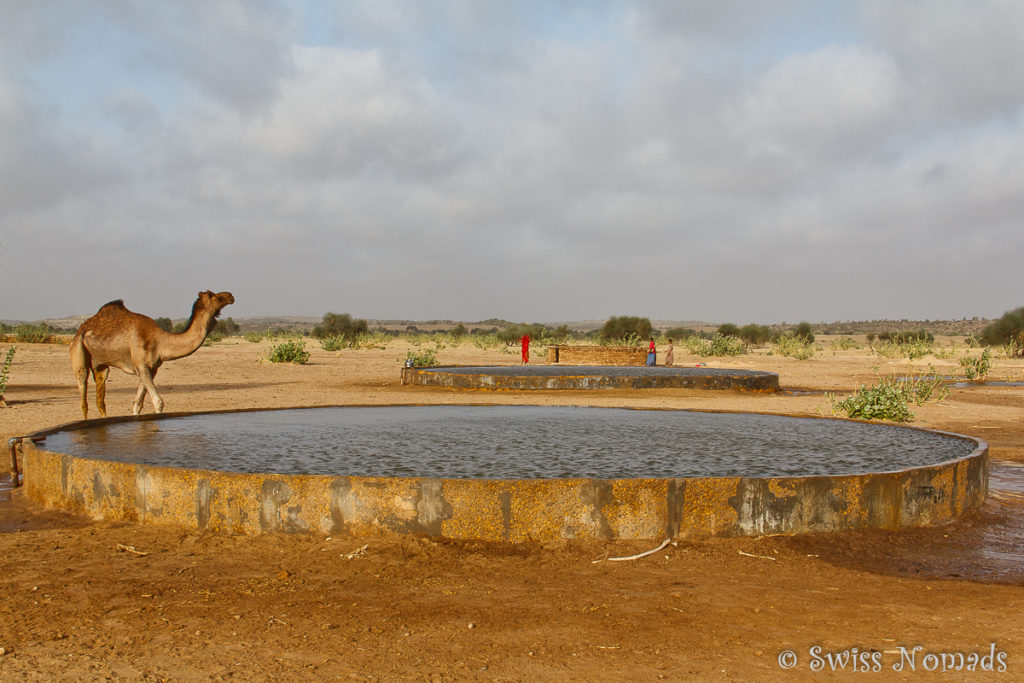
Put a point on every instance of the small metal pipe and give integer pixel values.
(13, 444)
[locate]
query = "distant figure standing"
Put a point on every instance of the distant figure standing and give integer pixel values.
(669, 357)
(651, 354)
(525, 341)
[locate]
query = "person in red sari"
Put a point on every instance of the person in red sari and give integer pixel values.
(525, 341)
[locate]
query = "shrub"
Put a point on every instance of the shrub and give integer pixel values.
(335, 342)
(718, 345)
(254, 336)
(165, 324)
(803, 331)
(888, 399)
(884, 401)
(844, 344)
(513, 333)
(5, 372)
(627, 340)
(728, 330)
(755, 334)
(226, 327)
(617, 327)
(793, 346)
(912, 346)
(32, 334)
(340, 324)
(213, 338)
(371, 340)
(423, 359)
(977, 368)
(289, 352)
(1009, 328)
(679, 333)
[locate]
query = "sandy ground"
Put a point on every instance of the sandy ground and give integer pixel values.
(189, 606)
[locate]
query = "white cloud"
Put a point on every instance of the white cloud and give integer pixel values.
(520, 160)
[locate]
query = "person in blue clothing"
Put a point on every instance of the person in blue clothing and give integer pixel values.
(651, 354)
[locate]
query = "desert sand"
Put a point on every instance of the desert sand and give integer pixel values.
(87, 600)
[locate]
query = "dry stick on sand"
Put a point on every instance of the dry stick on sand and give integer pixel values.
(760, 557)
(634, 557)
(131, 549)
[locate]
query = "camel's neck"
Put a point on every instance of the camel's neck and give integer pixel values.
(174, 346)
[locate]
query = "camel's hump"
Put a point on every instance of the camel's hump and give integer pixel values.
(116, 303)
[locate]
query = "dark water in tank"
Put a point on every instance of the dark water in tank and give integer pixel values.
(512, 442)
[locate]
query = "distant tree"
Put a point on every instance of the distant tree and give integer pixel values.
(728, 330)
(679, 333)
(619, 327)
(1009, 328)
(803, 331)
(513, 333)
(755, 334)
(165, 324)
(459, 331)
(340, 324)
(226, 327)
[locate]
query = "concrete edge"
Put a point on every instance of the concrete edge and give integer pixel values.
(503, 510)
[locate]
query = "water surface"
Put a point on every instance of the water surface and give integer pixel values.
(512, 442)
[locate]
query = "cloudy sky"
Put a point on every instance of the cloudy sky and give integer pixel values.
(736, 161)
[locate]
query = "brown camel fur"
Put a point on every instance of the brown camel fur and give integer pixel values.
(117, 337)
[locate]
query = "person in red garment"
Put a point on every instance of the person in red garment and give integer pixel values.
(525, 341)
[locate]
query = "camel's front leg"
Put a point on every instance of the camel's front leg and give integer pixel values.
(140, 396)
(146, 377)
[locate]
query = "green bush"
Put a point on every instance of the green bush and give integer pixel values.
(884, 401)
(289, 352)
(728, 330)
(340, 324)
(888, 399)
(718, 345)
(32, 334)
(755, 334)
(617, 327)
(254, 336)
(844, 344)
(165, 324)
(335, 342)
(679, 333)
(424, 358)
(803, 331)
(1009, 328)
(226, 327)
(912, 346)
(977, 368)
(5, 371)
(794, 346)
(513, 333)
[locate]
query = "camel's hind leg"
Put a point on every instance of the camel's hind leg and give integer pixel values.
(100, 375)
(81, 366)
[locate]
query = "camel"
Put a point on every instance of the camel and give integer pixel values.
(117, 337)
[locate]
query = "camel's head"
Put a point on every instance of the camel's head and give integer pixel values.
(215, 302)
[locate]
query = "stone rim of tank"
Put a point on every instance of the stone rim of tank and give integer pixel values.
(505, 510)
